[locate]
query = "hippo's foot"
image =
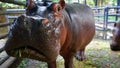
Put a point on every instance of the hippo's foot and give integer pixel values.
(80, 55)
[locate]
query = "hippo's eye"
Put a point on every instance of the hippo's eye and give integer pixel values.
(59, 8)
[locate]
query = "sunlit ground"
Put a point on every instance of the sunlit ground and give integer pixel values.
(98, 55)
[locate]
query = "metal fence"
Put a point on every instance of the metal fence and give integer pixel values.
(107, 14)
(7, 61)
(105, 18)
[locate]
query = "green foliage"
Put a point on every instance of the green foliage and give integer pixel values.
(92, 2)
(55, 0)
(23, 63)
(7, 5)
(89, 2)
(114, 2)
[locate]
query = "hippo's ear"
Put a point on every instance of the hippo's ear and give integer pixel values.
(30, 4)
(58, 6)
(62, 3)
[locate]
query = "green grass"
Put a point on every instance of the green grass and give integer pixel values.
(23, 63)
(98, 55)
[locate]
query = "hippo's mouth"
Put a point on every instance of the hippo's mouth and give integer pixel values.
(27, 52)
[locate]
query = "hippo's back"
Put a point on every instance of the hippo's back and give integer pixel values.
(80, 12)
(81, 28)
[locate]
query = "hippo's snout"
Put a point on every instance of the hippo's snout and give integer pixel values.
(28, 37)
(114, 46)
(115, 43)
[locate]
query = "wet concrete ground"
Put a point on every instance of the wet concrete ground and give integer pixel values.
(3, 54)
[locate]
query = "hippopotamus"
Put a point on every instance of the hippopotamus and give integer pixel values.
(115, 43)
(51, 29)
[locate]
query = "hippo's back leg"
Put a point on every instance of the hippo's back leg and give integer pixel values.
(80, 55)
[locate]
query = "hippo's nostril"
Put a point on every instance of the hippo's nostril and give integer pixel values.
(26, 23)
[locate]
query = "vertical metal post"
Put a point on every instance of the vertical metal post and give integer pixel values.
(105, 22)
(85, 1)
(106, 16)
(118, 2)
(117, 10)
(96, 3)
(98, 10)
(78, 1)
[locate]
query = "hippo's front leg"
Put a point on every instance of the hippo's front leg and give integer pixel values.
(69, 60)
(52, 64)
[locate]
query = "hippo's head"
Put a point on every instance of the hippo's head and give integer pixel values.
(115, 43)
(37, 34)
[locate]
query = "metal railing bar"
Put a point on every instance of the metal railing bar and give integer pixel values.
(1, 49)
(4, 24)
(3, 36)
(3, 60)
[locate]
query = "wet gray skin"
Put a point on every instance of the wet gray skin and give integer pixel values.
(33, 37)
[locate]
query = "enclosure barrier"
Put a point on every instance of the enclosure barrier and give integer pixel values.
(102, 18)
(7, 61)
(12, 11)
(107, 14)
(98, 14)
